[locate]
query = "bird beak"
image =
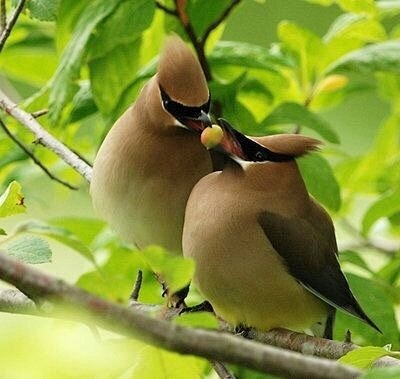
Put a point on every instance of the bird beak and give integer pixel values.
(230, 144)
(236, 144)
(197, 124)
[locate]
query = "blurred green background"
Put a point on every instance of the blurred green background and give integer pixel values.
(357, 179)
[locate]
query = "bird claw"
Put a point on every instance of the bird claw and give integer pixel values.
(242, 330)
(205, 306)
(347, 337)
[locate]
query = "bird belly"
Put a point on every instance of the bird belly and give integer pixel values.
(142, 212)
(247, 282)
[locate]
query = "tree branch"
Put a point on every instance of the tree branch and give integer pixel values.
(198, 44)
(34, 159)
(14, 301)
(167, 10)
(9, 26)
(45, 138)
(204, 343)
(219, 20)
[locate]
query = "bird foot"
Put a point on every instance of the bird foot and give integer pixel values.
(347, 337)
(242, 330)
(176, 299)
(205, 306)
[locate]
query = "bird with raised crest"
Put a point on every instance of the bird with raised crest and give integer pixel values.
(151, 158)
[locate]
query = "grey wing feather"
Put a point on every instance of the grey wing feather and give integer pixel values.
(308, 247)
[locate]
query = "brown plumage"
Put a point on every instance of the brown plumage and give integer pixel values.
(148, 162)
(265, 252)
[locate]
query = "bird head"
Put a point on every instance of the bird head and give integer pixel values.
(238, 146)
(274, 148)
(183, 87)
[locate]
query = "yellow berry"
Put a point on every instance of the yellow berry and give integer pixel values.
(212, 136)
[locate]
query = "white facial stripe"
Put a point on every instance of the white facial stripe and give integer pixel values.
(241, 162)
(180, 125)
(246, 164)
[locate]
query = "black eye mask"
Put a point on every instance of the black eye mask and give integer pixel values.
(180, 111)
(252, 150)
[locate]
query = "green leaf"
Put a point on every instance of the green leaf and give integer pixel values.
(358, 6)
(355, 26)
(153, 362)
(325, 3)
(383, 56)
(83, 104)
(205, 320)
(247, 55)
(176, 271)
(85, 229)
(12, 200)
(376, 300)
(114, 279)
(390, 271)
(203, 12)
(354, 258)
(59, 234)
(360, 175)
(122, 27)
(255, 97)
(388, 7)
(296, 114)
(306, 45)
(363, 357)
(2, 232)
(323, 185)
(384, 207)
(68, 69)
(29, 249)
(382, 373)
(44, 10)
(297, 38)
(120, 68)
(68, 15)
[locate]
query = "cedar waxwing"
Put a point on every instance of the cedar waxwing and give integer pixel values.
(151, 159)
(265, 252)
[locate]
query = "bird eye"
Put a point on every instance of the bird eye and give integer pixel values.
(259, 155)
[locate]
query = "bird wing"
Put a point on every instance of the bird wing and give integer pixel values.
(308, 247)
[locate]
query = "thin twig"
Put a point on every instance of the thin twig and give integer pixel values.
(40, 113)
(3, 16)
(164, 8)
(220, 19)
(34, 159)
(136, 288)
(45, 137)
(204, 343)
(9, 26)
(221, 370)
